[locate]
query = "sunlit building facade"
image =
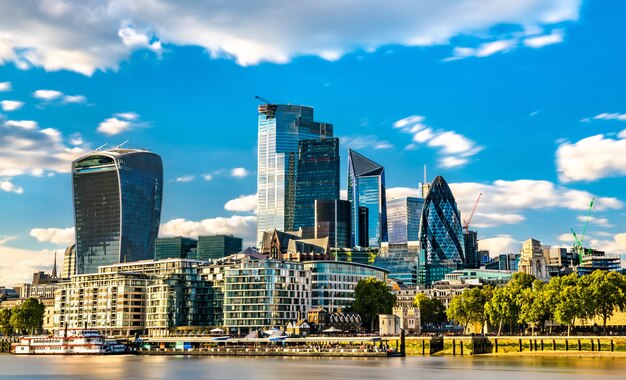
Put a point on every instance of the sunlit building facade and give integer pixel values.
(280, 128)
(117, 206)
(401, 260)
(403, 219)
(366, 188)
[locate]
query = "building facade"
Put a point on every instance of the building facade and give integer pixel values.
(403, 219)
(470, 241)
(217, 246)
(317, 178)
(366, 189)
(175, 248)
(332, 220)
(532, 260)
(441, 234)
(280, 129)
(117, 206)
(401, 260)
(69, 262)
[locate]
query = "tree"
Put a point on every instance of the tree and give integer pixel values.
(371, 298)
(607, 290)
(499, 309)
(28, 316)
(467, 307)
(537, 305)
(570, 300)
(5, 322)
(432, 310)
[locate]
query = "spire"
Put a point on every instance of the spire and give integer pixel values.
(54, 268)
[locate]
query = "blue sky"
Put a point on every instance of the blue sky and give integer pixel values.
(522, 101)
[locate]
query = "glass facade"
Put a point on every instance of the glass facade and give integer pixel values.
(472, 260)
(401, 260)
(332, 220)
(218, 246)
(403, 219)
(333, 282)
(175, 248)
(317, 177)
(441, 234)
(117, 206)
(366, 188)
(280, 128)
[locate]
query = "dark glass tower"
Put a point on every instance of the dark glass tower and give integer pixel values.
(175, 248)
(117, 206)
(366, 188)
(332, 220)
(472, 259)
(317, 177)
(441, 234)
(218, 246)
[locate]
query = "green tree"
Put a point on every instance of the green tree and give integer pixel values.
(432, 310)
(607, 290)
(570, 298)
(499, 309)
(468, 307)
(371, 298)
(28, 316)
(5, 322)
(537, 305)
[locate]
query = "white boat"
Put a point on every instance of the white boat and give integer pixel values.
(68, 341)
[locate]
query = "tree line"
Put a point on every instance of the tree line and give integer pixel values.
(25, 318)
(527, 301)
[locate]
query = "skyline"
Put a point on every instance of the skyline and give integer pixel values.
(524, 105)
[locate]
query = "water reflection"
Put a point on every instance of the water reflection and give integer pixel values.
(188, 367)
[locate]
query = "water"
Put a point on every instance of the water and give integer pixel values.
(234, 368)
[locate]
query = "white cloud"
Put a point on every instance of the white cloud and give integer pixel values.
(241, 226)
(26, 149)
(540, 41)
(343, 195)
(243, 203)
(9, 187)
(127, 115)
(113, 126)
(365, 141)
(592, 158)
(611, 246)
(62, 35)
(61, 236)
(187, 178)
(11, 105)
(5, 86)
(602, 222)
(499, 244)
(455, 149)
(75, 99)
(47, 94)
(5, 239)
(18, 265)
(239, 172)
(611, 116)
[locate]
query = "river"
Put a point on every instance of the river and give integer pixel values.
(186, 367)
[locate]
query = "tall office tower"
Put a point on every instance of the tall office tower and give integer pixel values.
(175, 248)
(332, 220)
(441, 234)
(69, 262)
(366, 188)
(317, 177)
(403, 219)
(472, 259)
(218, 246)
(364, 230)
(281, 127)
(117, 206)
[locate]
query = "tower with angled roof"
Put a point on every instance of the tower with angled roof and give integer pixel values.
(366, 189)
(441, 234)
(117, 206)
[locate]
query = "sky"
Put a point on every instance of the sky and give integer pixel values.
(522, 101)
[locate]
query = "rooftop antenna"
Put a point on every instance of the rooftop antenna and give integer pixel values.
(425, 174)
(119, 146)
(100, 147)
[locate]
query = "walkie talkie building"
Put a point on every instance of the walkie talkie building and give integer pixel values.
(117, 206)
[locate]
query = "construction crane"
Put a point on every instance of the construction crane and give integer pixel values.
(262, 99)
(467, 224)
(578, 243)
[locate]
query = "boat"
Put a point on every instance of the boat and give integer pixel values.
(67, 342)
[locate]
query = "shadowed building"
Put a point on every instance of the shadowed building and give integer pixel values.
(175, 248)
(218, 246)
(332, 220)
(366, 188)
(117, 206)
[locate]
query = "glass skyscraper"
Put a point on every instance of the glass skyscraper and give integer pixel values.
(366, 188)
(218, 246)
(441, 234)
(332, 220)
(400, 260)
(117, 206)
(317, 177)
(403, 219)
(175, 248)
(281, 127)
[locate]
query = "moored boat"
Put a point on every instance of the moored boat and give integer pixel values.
(68, 341)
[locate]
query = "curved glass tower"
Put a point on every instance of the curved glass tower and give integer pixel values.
(441, 234)
(117, 206)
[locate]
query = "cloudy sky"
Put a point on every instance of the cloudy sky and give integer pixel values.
(520, 100)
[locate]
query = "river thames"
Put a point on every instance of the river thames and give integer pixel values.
(205, 367)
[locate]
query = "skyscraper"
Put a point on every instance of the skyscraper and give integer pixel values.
(403, 219)
(281, 127)
(366, 188)
(472, 259)
(317, 177)
(441, 234)
(332, 220)
(218, 246)
(117, 206)
(175, 248)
